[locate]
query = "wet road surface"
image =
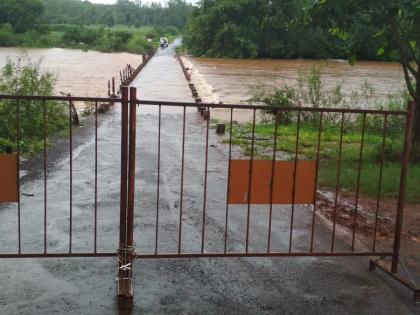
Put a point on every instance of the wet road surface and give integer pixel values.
(184, 286)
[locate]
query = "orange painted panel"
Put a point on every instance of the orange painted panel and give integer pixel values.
(261, 182)
(8, 178)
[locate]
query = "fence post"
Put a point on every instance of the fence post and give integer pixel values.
(124, 286)
(131, 178)
(126, 251)
(403, 183)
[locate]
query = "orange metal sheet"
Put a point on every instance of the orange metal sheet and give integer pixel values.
(282, 182)
(8, 178)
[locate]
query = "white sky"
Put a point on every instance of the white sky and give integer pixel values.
(144, 1)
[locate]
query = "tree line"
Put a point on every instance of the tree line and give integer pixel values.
(25, 15)
(124, 12)
(80, 24)
(273, 29)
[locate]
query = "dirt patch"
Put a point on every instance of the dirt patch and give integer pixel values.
(363, 219)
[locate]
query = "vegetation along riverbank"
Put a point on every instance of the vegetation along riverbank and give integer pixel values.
(123, 26)
(24, 77)
(376, 153)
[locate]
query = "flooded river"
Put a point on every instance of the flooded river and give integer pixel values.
(231, 80)
(79, 73)
(227, 80)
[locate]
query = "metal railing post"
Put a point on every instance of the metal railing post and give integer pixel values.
(403, 183)
(123, 285)
(126, 251)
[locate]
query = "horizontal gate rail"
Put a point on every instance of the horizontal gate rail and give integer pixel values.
(203, 255)
(276, 108)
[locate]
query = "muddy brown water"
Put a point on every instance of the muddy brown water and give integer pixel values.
(231, 80)
(79, 73)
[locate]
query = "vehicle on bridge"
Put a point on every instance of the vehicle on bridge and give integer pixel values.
(164, 42)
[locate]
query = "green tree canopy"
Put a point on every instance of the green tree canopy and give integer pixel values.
(124, 12)
(397, 32)
(262, 28)
(21, 14)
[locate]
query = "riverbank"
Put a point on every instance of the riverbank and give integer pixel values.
(92, 37)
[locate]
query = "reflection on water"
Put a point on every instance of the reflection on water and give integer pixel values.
(230, 80)
(79, 73)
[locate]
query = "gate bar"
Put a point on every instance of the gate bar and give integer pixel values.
(122, 290)
(403, 183)
(128, 153)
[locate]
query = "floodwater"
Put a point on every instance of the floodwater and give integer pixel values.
(79, 73)
(232, 80)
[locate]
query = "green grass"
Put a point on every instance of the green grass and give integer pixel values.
(330, 152)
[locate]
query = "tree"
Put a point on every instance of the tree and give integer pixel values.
(258, 28)
(21, 14)
(397, 24)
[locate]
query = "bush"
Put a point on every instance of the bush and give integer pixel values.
(138, 44)
(310, 91)
(6, 35)
(24, 77)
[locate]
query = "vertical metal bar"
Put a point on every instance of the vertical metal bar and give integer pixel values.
(273, 171)
(113, 86)
(294, 182)
(203, 230)
(337, 187)
(228, 179)
(131, 166)
(356, 206)
(158, 182)
(123, 287)
(18, 136)
(44, 105)
(316, 180)
(378, 200)
(403, 183)
(71, 175)
(96, 178)
(124, 167)
(251, 162)
(182, 183)
(109, 88)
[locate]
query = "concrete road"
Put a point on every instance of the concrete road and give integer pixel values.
(162, 286)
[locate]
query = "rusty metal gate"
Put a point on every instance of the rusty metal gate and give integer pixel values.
(264, 188)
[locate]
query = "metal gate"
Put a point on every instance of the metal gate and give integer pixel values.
(264, 188)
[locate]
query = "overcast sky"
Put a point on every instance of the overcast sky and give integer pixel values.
(144, 1)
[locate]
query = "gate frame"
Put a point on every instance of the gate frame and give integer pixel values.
(126, 251)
